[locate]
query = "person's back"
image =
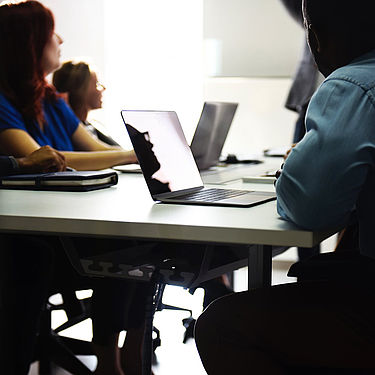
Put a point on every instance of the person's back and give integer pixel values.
(326, 322)
(360, 74)
(340, 126)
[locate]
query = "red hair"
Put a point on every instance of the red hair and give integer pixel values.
(25, 29)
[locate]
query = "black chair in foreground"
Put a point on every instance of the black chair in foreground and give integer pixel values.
(53, 349)
(334, 266)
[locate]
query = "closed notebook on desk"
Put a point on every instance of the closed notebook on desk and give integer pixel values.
(62, 181)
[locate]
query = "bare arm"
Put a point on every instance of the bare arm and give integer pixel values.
(95, 154)
(83, 140)
(95, 160)
(19, 143)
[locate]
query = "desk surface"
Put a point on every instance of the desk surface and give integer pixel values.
(127, 210)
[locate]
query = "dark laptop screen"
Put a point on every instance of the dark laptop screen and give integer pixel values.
(211, 132)
(163, 153)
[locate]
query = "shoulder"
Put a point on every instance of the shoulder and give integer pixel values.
(63, 114)
(351, 89)
(58, 106)
(59, 103)
(359, 74)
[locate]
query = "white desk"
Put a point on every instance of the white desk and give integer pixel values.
(127, 211)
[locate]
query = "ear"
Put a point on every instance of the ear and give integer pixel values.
(321, 52)
(313, 41)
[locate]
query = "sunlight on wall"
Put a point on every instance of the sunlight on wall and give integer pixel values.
(153, 59)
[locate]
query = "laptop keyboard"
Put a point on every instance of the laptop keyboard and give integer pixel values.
(212, 195)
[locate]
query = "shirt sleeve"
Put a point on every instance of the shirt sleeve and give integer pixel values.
(10, 118)
(324, 174)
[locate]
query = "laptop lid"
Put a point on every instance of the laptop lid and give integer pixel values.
(162, 151)
(211, 132)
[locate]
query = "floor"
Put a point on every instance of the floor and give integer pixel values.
(173, 353)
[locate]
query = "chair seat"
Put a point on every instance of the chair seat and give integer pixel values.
(335, 266)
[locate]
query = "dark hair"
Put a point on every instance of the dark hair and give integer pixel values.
(25, 29)
(73, 78)
(350, 22)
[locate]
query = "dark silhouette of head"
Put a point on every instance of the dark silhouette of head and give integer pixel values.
(147, 159)
(338, 31)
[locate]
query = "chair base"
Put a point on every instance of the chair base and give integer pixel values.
(62, 352)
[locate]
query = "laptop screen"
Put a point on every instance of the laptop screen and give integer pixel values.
(162, 151)
(211, 132)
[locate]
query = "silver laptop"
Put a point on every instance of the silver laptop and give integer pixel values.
(211, 133)
(168, 165)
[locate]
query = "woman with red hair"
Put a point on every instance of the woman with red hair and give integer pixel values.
(33, 114)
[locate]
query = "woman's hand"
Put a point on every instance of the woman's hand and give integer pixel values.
(94, 155)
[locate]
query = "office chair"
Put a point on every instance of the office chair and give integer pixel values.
(162, 306)
(59, 350)
(62, 351)
(334, 266)
(317, 371)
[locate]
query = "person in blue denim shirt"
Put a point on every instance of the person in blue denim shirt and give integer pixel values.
(326, 322)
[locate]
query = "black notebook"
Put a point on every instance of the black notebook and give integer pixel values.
(64, 181)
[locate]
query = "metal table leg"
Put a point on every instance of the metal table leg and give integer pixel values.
(260, 266)
(152, 304)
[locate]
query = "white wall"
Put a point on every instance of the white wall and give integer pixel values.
(154, 57)
(81, 25)
(258, 41)
(252, 38)
(261, 120)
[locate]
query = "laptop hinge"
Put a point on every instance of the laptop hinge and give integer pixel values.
(177, 193)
